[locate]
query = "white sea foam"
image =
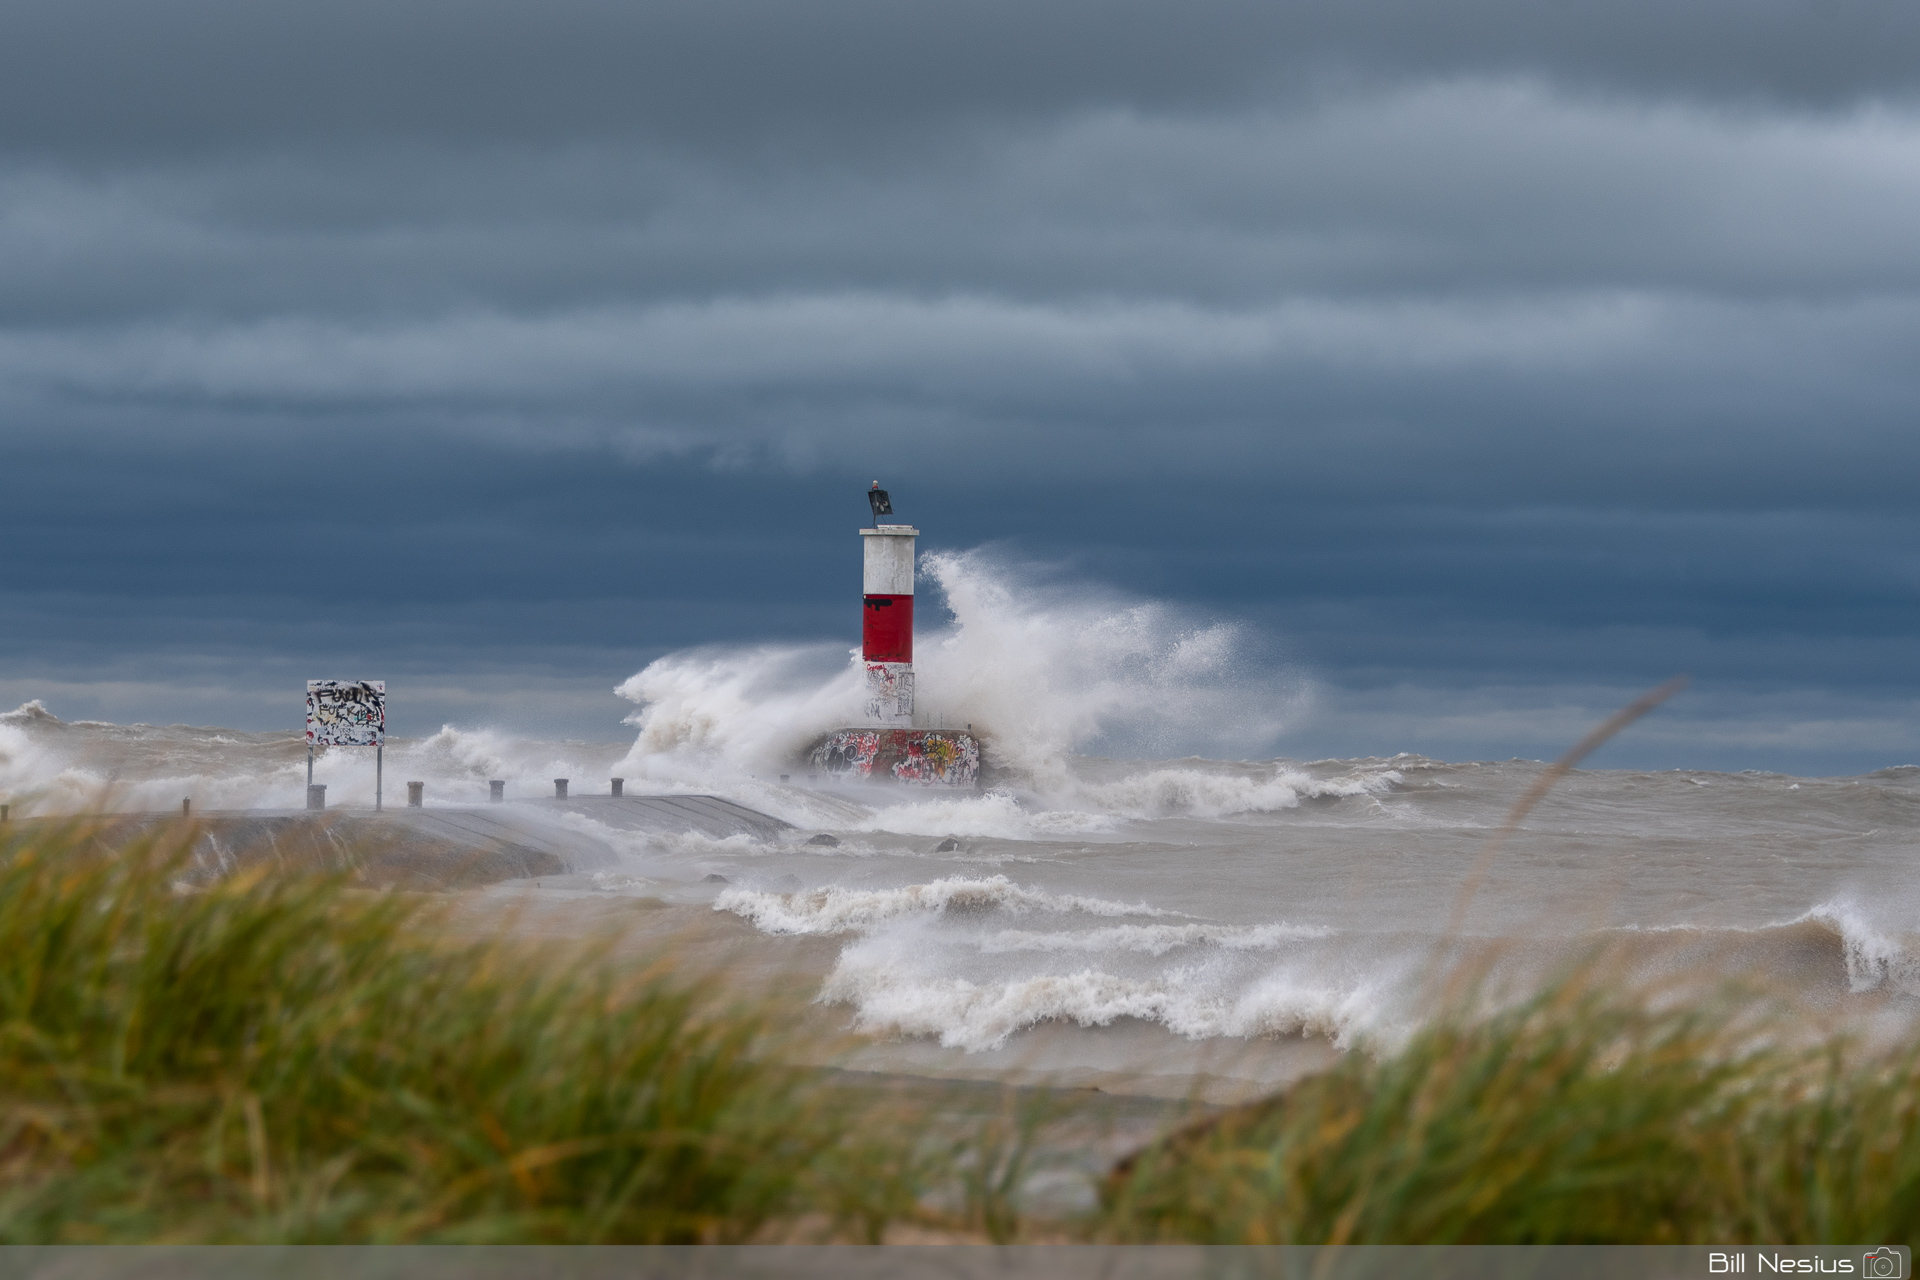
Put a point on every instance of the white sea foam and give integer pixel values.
(933, 944)
(724, 714)
(687, 844)
(461, 761)
(1204, 793)
(964, 1015)
(991, 814)
(620, 882)
(57, 766)
(894, 989)
(1046, 668)
(914, 966)
(1039, 670)
(1080, 807)
(1155, 939)
(51, 766)
(846, 910)
(1876, 957)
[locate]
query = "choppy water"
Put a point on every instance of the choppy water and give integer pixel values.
(1191, 897)
(1210, 898)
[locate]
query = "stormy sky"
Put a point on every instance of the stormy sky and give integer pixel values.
(1491, 360)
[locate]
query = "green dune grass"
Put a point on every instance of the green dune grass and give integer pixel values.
(279, 1058)
(294, 1060)
(1576, 1117)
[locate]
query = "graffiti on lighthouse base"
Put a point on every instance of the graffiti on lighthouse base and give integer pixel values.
(890, 694)
(939, 760)
(917, 757)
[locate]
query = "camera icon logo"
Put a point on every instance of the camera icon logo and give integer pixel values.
(1882, 1264)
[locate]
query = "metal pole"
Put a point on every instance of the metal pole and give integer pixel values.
(379, 754)
(309, 764)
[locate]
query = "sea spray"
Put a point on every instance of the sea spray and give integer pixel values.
(1046, 669)
(1199, 792)
(902, 980)
(938, 959)
(1877, 957)
(52, 766)
(1040, 669)
(714, 715)
(1205, 898)
(840, 910)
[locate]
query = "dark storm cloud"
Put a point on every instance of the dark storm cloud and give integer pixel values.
(1471, 348)
(1645, 401)
(119, 76)
(1475, 187)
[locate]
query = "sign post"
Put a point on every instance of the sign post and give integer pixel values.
(348, 713)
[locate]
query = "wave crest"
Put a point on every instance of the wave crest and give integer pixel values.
(891, 995)
(1875, 959)
(840, 910)
(1202, 793)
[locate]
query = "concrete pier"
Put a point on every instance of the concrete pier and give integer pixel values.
(432, 848)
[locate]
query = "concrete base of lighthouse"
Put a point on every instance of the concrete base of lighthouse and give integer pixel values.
(945, 758)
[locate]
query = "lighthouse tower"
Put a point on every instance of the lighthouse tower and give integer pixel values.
(887, 748)
(886, 626)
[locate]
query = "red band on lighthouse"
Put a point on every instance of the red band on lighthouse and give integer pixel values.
(886, 624)
(886, 629)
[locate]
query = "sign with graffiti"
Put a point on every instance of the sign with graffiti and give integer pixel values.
(917, 757)
(346, 713)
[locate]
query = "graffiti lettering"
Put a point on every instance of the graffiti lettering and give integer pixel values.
(346, 713)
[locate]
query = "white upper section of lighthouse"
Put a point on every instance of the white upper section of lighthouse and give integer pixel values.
(889, 560)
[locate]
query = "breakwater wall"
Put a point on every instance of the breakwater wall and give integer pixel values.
(423, 848)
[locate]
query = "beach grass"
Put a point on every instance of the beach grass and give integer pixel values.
(287, 1058)
(277, 1057)
(1589, 1113)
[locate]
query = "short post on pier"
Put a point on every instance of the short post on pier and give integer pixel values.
(496, 790)
(416, 794)
(316, 795)
(619, 786)
(559, 788)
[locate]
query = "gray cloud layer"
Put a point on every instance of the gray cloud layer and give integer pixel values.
(123, 77)
(1468, 346)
